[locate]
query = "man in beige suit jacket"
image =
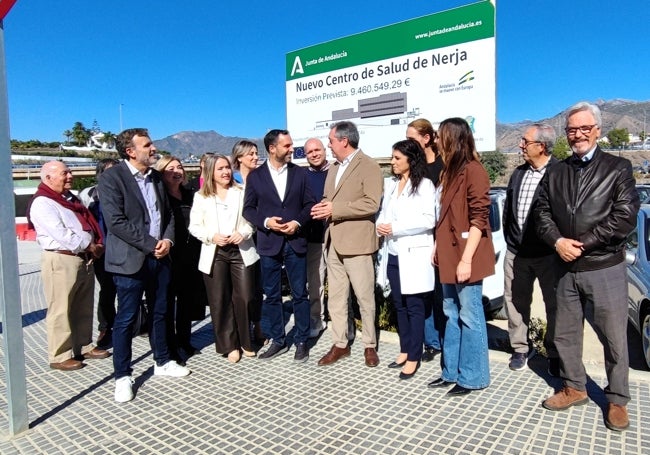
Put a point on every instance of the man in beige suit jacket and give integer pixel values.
(350, 202)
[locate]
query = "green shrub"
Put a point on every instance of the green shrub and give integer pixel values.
(536, 333)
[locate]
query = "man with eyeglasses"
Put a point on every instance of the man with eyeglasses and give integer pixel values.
(528, 258)
(351, 199)
(587, 207)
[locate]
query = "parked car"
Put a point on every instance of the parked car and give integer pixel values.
(638, 278)
(644, 193)
(493, 285)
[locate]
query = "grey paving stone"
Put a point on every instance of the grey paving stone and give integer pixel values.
(274, 407)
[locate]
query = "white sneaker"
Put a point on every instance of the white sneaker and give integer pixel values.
(171, 368)
(124, 389)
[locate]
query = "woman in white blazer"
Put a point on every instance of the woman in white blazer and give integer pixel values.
(227, 257)
(406, 220)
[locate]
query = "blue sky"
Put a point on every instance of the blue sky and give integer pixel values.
(211, 65)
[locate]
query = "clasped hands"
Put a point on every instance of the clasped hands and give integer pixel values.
(162, 248)
(222, 240)
(568, 249)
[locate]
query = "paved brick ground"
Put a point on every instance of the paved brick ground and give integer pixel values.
(279, 407)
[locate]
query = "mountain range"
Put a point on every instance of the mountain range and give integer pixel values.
(617, 113)
(187, 144)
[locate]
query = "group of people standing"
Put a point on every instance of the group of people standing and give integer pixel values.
(225, 239)
(565, 224)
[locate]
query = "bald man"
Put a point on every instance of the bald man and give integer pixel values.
(315, 232)
(71, 240)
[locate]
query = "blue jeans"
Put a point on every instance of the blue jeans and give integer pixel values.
(296, 267)
(152, 280)
(435, 320)
(465, 358)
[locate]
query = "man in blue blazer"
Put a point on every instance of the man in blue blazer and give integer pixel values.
(140, 233)
(278, 201)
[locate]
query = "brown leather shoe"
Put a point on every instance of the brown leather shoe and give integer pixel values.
(97, 353)
(67, 365)
(372, 359)
(565, 398)
(617, 418)
(335, 353)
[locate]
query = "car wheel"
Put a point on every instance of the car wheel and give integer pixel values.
(500, 314)
(645, 337)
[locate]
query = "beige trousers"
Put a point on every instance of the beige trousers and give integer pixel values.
(360, 272)
(69, 287)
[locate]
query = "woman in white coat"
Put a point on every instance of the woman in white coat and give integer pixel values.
(227, 257)
(406, 220)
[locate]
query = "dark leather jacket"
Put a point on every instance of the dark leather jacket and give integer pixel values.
(594, 202)
(523, 240)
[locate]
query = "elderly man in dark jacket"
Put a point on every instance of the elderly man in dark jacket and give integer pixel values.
(587, 207)
(528, 258)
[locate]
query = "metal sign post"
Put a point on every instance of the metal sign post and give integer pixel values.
(12, 327)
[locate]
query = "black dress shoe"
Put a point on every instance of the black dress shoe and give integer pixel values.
(429, 353)
(440, 383)
(403, 375)
(459, 390)
(396, 365)
(274, 350)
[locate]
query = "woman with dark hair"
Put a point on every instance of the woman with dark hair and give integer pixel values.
(186, 294)
(227, 259)
(422, 131)
(406, 220)
(465, 255)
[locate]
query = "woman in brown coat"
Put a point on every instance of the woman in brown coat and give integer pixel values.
(465, 255)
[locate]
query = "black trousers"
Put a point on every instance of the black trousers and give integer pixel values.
(231, 291)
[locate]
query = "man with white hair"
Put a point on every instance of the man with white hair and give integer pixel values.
(71, 240)
(528, 257)
(587, 207)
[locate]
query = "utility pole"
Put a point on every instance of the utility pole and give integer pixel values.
(121, 128)
(10, 306)
(645, 133)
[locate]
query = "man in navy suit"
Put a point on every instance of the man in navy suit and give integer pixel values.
(278, 201)
(140, 233)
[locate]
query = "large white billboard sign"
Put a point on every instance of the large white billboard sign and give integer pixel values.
(434, 67)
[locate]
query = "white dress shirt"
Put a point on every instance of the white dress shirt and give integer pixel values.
(58, 228)
(343, 166)
(279, 177)
(149, 194)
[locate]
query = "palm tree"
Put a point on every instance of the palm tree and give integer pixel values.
(68, 135)
(80, 133)
(108, 139)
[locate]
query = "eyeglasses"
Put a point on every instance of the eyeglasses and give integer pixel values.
(584, 129)
(524, 143)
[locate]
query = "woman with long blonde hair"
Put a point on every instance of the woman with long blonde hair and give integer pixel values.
(227, 258)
